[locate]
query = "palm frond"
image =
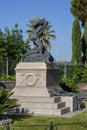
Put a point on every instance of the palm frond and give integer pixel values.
(6, 103)
(47, 33)
(29, 31)
(51, 31)
(52, 37)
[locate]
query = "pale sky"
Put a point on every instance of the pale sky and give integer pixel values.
(57, 12)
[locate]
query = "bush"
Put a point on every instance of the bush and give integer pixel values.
(84, 77)
(5, 78)
(68, 85)
(79, 75)
(6, 103)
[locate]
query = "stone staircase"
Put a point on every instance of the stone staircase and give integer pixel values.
(43, 105)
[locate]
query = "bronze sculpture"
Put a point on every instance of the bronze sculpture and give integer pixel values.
(39, 53)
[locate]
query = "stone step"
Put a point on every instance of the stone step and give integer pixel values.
(38, 99)
(57, 112)
(65, 110)
(40, 105)
(61, 104)
(45, 105)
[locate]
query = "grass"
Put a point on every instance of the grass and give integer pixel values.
(44, 122)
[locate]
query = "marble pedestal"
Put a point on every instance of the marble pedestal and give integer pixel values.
(36, 78)
(34, 81)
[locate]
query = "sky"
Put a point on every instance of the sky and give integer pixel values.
(57, 12)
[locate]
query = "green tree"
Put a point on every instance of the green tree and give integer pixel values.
(12, 46)
(3, 52)
(15, 45)
(6, 103)
(79, 9)
(47, 35)
(83, 49)
(85, 38)
(76, 42)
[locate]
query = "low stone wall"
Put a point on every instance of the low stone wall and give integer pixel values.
(9, 84)
(82, 86)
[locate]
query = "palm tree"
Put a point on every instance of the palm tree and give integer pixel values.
(46, 36)
(6, 103)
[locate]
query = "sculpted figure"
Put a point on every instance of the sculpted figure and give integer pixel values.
(39, 52)
(38, 27)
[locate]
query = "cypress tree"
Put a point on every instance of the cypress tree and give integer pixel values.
(76, 42)
(85, 37)
(79, 10)
(83, 49)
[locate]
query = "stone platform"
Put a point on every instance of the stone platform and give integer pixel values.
(34, 81)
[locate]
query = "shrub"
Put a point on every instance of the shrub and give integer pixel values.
(68, 85)
(79, 75)
(5, 78)
(6, 103)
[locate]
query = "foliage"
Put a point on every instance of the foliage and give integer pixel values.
(7, 66)
(6, 103)
(3, 52)
(84, 77)
(12, 46)
(79, 75)
(68, 84)
(79, 9)
(85, 38)
(11, 43)
(14, 43)
(85, 31)
(83, 49)
(6, 78)
(76, 42)
(45, 37)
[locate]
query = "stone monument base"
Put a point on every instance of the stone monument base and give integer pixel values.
(34, 82)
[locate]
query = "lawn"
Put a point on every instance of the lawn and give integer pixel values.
(21, 122)
(43, 122)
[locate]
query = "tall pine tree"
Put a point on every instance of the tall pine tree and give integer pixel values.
(76, 42)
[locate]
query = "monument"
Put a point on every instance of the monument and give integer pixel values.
(37, 80)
